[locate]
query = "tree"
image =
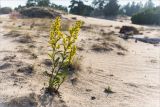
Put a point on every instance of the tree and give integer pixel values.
(31, 3)
(99, 4)
(59, 7)
(79, 8)
(43, 2)
(87, 10)
(111, 8)
(131, 9)
(98, 7)
(149, 4)
(127, 9)
(76, 7)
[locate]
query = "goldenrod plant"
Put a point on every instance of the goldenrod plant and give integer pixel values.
(62, 54)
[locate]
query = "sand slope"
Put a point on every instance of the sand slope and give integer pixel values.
(134, 77)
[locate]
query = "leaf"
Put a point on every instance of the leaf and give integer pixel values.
(50, 55)
(47, 74)
(56, 61)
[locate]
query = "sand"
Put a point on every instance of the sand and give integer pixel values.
(131, 70)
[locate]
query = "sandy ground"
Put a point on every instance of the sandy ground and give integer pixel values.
(131, 70)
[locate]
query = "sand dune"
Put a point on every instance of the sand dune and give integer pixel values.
(130, 69)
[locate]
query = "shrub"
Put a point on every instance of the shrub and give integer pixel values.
(5, 10)
(39, 12)
(128, 30)
(149, 17)
(62, 54)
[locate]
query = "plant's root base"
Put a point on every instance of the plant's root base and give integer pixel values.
(52, 91)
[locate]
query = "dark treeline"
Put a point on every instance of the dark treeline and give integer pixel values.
(97, 8)
(79, 8)
(133, 8)
(106, 8)
(43, 3)
(142, 13)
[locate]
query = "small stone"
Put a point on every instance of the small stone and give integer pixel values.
(93, 98)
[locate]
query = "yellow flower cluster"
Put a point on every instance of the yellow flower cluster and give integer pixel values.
(63, 50)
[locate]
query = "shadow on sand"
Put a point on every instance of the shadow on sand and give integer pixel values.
(33, 100)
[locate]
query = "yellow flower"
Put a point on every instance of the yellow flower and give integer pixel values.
(63, 50)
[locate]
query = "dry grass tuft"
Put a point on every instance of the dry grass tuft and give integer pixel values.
(110, 33)
(26, 69)
(109, 38)
(24, 51)
(74, 68)
(25, 39)
(13, 33)
(108, 90)
(76, 65)
(120, 47)
(104, 47)
(31, 46)
(36, 100)
(120, 53)
(9, 58)
(86, 28)
(25, 101)
(34, 56)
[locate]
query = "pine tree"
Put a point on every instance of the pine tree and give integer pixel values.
(149, 4)
(79, 8)
(99, 4)
(111, 8)
(31, 3)
(43, 2)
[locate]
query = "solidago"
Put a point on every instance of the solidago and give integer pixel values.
(63, 50)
